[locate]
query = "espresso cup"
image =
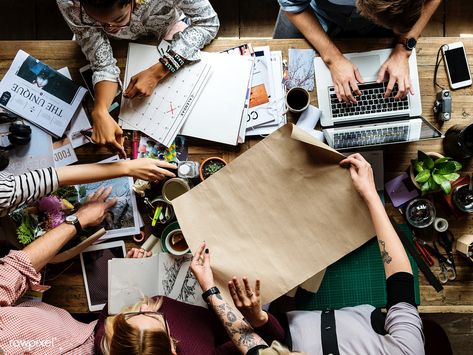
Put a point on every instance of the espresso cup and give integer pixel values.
(175, 243)
(297, 99)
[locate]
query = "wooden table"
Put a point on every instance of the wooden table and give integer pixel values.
(68, 288)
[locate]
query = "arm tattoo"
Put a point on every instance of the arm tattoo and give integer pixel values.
(384, 253)
(239, 330)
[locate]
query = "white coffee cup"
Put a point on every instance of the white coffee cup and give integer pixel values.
(179, 248)
(297, 99)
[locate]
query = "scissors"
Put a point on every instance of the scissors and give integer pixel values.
(423, 251)
(446, 241)
(447, 271)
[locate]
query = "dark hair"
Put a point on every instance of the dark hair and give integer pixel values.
(128, 340)
(105, 4)
(398, 15)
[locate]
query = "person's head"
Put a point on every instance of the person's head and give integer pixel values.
(111, 14)
(140, 329)
(397, 15)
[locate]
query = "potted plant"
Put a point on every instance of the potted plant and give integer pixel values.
(432, 172)
(210, 166)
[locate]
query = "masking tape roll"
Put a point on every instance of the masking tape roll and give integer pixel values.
(150, 243)
(440, 225)
(465, 245)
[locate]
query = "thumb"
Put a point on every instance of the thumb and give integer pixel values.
(358, 76)
(110, 203)
(207, 256)
(381, 73)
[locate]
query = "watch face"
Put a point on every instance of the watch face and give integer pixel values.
(71, 219)
(411, 43)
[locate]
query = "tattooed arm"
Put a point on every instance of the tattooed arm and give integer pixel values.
(392, 251)
(239, 330)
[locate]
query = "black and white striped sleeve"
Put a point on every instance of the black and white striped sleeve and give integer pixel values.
(17, 190)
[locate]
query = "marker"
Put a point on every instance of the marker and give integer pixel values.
(157, 213)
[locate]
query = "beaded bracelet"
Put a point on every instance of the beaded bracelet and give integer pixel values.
(164, 61)
(171, 60)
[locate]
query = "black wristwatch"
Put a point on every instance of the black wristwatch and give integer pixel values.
(73, 220)
(408, 43)
(211, 291)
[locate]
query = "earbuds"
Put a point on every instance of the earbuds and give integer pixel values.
(19, 135)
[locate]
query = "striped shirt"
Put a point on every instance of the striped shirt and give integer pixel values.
(18, 190)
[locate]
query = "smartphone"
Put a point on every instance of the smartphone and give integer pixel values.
(454, 55)
(86, 74)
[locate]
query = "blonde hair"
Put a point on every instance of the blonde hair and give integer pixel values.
(123, 338)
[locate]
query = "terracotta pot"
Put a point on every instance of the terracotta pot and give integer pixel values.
(412, 171)
(205, 162)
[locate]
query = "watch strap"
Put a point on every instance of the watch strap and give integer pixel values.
(211, 291)
(77, 225)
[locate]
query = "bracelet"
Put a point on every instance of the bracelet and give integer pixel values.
(171, 60)
(211, 291)
(164, 61)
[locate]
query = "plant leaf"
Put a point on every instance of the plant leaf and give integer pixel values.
(428, 162)
(452, 176)
(425, 187)
(423, 176)
(421, 155)
(441, 160)
(433, 185)
(446, 187)
(439, 179)
(458, 166)
(446, 168)
(418, 166)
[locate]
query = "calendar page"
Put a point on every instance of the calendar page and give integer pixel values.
(162, 115)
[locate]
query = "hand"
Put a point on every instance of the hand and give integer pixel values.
(345, 76)
(135, 253)
(362, 176)
(149, 169)
(397, 66)
(92, 212)
(143, 83)
(107, 131)
(200, 266)
(248, 302)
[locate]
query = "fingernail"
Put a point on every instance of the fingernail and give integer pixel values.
(207, 251)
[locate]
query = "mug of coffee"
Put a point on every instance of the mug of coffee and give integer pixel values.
(175, 243)
(297, 99)
(174, 188)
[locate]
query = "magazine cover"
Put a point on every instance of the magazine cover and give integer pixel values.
(40, 94)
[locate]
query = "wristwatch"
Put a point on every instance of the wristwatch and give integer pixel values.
(409, 43)
(73, 220)
(211, 291)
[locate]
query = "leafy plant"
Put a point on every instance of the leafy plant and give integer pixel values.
(211, 167)
(434, 174)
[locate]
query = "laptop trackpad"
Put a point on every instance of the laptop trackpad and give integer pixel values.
(368, 66)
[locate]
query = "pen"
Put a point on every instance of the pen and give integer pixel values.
(157, 213)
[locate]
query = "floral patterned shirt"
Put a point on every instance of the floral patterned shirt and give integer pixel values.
(149, 17)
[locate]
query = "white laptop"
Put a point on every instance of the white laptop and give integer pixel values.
(374, 119)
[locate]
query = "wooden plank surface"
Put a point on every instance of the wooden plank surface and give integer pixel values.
(229, 15)
(257, 18)
(458, 17)
(68, 288)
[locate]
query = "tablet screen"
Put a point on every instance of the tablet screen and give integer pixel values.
(96, 272)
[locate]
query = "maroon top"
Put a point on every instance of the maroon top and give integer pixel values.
(198, 330)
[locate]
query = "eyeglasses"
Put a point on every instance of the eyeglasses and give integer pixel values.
(151, 314)
(97, 24)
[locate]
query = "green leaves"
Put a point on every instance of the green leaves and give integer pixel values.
(433, 175)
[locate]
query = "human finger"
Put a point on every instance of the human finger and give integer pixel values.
(207, 257)
(389, 88)
(354, 88)
(401, 89)
(133, 92)
(104, 193)
(165, 172)
(164, 164)
(93, 196)
(358, 76)
(130, 86)
(130, 252)
(348, 94)
(381, 73)
(257, 287)
(337, 92)
(239, 289)
(110, 203)
(411, 88)
(198, 253)
(249, 291)
(233, 293)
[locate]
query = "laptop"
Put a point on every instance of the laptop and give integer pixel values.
(374, 120)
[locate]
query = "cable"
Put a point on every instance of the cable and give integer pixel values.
(437, 64)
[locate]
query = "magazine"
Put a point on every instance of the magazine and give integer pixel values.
(40, 94)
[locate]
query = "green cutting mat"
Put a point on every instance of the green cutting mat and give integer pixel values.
(357, 278)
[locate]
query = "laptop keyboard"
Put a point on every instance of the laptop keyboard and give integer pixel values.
(370, 136)
(372, 100)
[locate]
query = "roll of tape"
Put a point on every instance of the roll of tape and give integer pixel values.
(150, 243)
(440, 225)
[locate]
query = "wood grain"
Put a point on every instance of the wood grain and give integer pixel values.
(68, 289)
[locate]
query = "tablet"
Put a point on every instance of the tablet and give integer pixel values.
(94, 262)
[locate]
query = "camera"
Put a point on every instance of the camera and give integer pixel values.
(443, 105)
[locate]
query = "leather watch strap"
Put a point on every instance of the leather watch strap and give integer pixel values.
(211, 291)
